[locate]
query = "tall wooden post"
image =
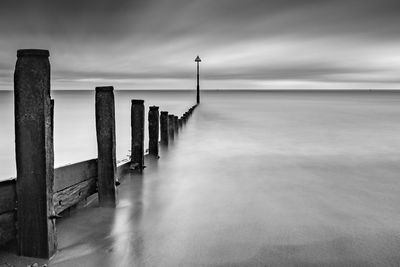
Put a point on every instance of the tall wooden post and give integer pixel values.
(154, 119)
(137, 130)
(34, 154)
(164, 127)
(176, 124)
(105, 130)
(171, 126)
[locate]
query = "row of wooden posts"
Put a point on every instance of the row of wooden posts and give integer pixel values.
(165, 126)
(33, 194)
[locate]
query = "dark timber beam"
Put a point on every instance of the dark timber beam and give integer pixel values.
(105, 130)
(34, 154)
(164, 127)
(137, 131)
(154, 121)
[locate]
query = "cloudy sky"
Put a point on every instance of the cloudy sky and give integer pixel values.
(152, 44)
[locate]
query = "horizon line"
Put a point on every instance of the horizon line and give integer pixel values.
(232, 89)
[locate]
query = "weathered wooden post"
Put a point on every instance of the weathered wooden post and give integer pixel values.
(171, 126)
(164, 127)
(137, 131)
(176, 124)
(154, 119)
(105, 130)
(34, 154)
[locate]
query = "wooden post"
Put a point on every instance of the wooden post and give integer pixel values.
(171, 126)
(34, 154)
(176, 124)
(137, 130)
(154, 119)
(164, 127)
(105, 130)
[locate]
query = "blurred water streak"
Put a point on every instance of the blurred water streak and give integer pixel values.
(258, 179)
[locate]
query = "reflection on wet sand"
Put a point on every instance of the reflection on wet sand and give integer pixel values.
(127, 233)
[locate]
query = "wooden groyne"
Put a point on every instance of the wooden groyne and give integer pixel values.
(31, 203)
(105, 131)
(171, 126)
(137, 130)
(34, 154)
(164, 127)
(154, 126)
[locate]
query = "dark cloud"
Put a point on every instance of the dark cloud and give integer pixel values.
(125, 17)
(66, 19)
(260, 40)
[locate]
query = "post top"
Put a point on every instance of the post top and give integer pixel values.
(33, 53)
(171, 115)
(104, 89)
(137, 101)
(164, 112)
(197, 59)
(153, 108)
(175, 116)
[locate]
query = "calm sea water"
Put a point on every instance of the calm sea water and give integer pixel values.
(74, 124)
(254, 179)
(296, 124)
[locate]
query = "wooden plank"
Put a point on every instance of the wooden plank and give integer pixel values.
(7, 227)
(122, 171)
(73, 195)
(8, 196)
(69, 175)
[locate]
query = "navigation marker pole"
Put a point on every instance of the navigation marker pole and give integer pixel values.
(198, 60)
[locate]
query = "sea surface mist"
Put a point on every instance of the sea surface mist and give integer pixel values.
(284, 178)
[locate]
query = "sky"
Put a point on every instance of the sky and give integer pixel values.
(243, 44)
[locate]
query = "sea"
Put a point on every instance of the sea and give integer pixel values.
(255, 178)
(75, 127)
